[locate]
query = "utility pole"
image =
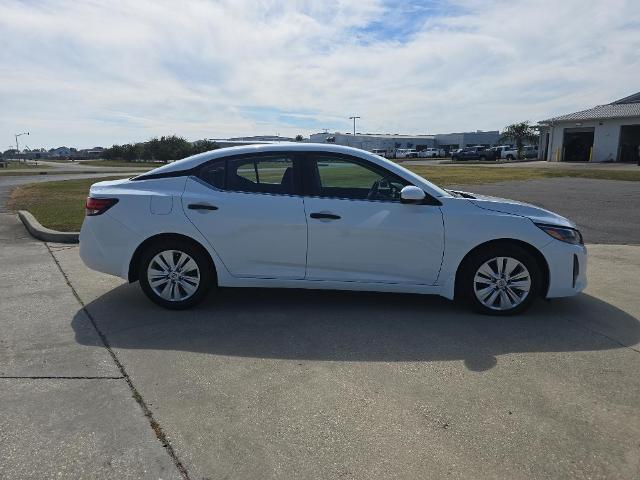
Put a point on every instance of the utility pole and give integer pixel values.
(354, 123)
(17, 135)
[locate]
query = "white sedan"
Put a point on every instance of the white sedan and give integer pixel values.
(324, 217)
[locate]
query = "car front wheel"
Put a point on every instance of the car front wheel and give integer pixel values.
(176, 275)
(502, 280)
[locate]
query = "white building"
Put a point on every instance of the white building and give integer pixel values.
(369, 142)
(605, 133)
(390, 143)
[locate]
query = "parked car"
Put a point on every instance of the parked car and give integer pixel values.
(379, 151)
(511, 152)
(474, 153)
(431, 153)
(499, 149)
(406, 153)
(323, 216)
(530, 151)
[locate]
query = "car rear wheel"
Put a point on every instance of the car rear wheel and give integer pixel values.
(501, 280)
(177, 275)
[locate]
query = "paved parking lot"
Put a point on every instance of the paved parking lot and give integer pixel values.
(607, 211)
(299, 384)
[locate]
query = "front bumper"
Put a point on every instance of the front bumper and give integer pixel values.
(567, 268)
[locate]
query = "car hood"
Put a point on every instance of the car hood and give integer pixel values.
(514, 207)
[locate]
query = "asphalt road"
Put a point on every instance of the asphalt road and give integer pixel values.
(606, 211)
(305, 385)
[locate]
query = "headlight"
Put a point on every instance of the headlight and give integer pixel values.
(564, 234)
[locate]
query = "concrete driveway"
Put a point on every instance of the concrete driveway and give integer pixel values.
(300, 384)
(98, 382)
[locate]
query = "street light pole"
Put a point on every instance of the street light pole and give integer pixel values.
(17, 146)
(354, 123)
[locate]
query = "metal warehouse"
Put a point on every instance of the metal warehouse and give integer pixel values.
(390, 143)
(605, 133)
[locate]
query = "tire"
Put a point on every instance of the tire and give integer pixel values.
(487, 280)
(182, 288)
(510, 157)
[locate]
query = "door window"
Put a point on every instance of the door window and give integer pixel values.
(260, 174)
(342, 178)
(272, 174)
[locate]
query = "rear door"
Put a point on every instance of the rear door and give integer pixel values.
(249, 210)
(359, 230)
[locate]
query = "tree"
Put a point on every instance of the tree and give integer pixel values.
(164, 148)
(201, 146)
(299, 138)
(113, 153)
(519, 133)
(9, 153)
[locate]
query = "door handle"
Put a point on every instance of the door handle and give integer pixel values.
(328, 216)
(200, 206)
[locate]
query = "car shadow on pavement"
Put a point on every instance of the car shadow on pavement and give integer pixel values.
(353, 326)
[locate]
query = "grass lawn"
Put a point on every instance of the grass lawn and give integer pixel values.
(60, 205)
(57, 205)
(120, 163)
(13, 165)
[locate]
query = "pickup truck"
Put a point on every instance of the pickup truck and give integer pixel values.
(406, 153)
(431, 153)
(511, 153)
(474, 153)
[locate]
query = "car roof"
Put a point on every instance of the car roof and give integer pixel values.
(195, 160)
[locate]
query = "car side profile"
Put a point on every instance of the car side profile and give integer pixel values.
(324, 217)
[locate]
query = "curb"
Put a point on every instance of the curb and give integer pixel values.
(46, 234)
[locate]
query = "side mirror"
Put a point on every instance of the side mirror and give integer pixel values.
(412, 194)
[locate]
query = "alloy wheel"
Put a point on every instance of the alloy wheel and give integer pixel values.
(502, 283)
(173, 275)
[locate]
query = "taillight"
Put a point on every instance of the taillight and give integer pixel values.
(97, 206)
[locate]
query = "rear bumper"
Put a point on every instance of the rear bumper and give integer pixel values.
(106, 245)
(567, 268)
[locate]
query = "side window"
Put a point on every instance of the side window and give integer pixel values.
(214, 174)
(272, 174)
(341, 178)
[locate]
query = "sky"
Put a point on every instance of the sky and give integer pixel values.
(95, 73)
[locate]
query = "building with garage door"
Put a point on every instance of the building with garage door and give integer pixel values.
(606, 133)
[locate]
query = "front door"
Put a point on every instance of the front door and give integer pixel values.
(247, 209)
(359, 230)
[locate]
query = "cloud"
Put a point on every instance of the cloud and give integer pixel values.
(92, 73)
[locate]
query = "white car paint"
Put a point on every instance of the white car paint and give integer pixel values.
(268, 240)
